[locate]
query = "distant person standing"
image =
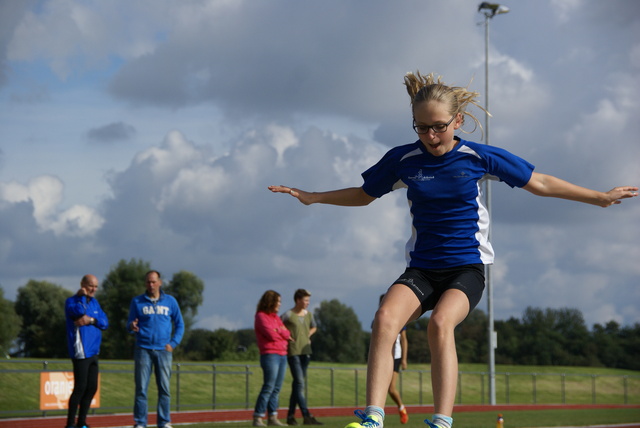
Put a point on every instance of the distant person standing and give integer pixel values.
(272, 337)
(85, 322)
(152, 316)
(400, 350)
(300, 322)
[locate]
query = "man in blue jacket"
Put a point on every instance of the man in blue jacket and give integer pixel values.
(85, 322)
(152, 316)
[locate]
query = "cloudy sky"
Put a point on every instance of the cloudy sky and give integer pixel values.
(151, 129)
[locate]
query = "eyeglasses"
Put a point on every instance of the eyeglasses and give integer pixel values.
(438, 128)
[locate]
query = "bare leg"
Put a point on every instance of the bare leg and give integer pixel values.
(393, 392)
(450, 310)
(400, 305)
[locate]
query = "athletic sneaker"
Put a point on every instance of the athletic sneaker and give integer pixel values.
(371, 421)
(431, 425)
(310, 420)
(404, 416)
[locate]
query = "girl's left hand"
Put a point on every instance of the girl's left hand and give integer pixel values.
(617, 193)
(301, 195)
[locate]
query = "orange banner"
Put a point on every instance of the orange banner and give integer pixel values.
(56, 388)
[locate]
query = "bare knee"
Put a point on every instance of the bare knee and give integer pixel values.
(385, 323)
(440, 326)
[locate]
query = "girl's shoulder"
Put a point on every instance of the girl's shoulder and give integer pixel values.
(481, 146)
(397, 153)
(406, 148)
(480, 149)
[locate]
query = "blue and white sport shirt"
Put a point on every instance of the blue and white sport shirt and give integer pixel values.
(448, 218)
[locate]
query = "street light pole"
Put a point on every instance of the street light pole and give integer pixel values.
(489, 10)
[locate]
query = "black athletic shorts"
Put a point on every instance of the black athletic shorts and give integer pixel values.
(429, 284)
(396, 364)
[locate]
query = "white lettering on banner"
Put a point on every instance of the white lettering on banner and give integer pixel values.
(61, 389)
(57, 387)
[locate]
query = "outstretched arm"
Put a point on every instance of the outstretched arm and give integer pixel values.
(548, 185)
(349, 197)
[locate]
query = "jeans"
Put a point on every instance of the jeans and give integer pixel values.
(144, 360)
(274, 367)
(85, 385)
(298, 365)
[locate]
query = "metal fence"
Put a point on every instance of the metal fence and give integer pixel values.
(235, 386)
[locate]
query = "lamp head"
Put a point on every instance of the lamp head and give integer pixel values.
(492, 9)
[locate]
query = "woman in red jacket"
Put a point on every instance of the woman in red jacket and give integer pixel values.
(272, 337)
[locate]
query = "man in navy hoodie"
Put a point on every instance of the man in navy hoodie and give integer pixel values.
(85, 322)
(152, 317)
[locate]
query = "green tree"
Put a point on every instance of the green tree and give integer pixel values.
(508, 340)
(198, 345)
(554, 337)
(471, 338)
(609, 350)
(246, 337)
(418, 345)
(223, 344)
(40, 304)
(546, 337)
(123, 283)
(573, 336)
(10, 324)
(630, 340)
(540, 344)
(187, 288)
(339, 337)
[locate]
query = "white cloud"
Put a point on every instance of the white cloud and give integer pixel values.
(75, 37)
(164, 160)
(79, 220)
(45, 194)
(562, 9)
(281, 139)
(197, 188)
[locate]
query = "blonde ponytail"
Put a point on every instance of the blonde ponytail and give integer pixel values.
(423, 88)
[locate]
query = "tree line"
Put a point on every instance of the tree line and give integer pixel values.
(34, 325)
(557, 337)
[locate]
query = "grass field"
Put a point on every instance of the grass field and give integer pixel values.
(515, 419)
(236, 387)
(512, 419)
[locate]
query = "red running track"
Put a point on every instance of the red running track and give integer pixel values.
(126, 419)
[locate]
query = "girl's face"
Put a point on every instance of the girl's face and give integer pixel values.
(436, 113)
